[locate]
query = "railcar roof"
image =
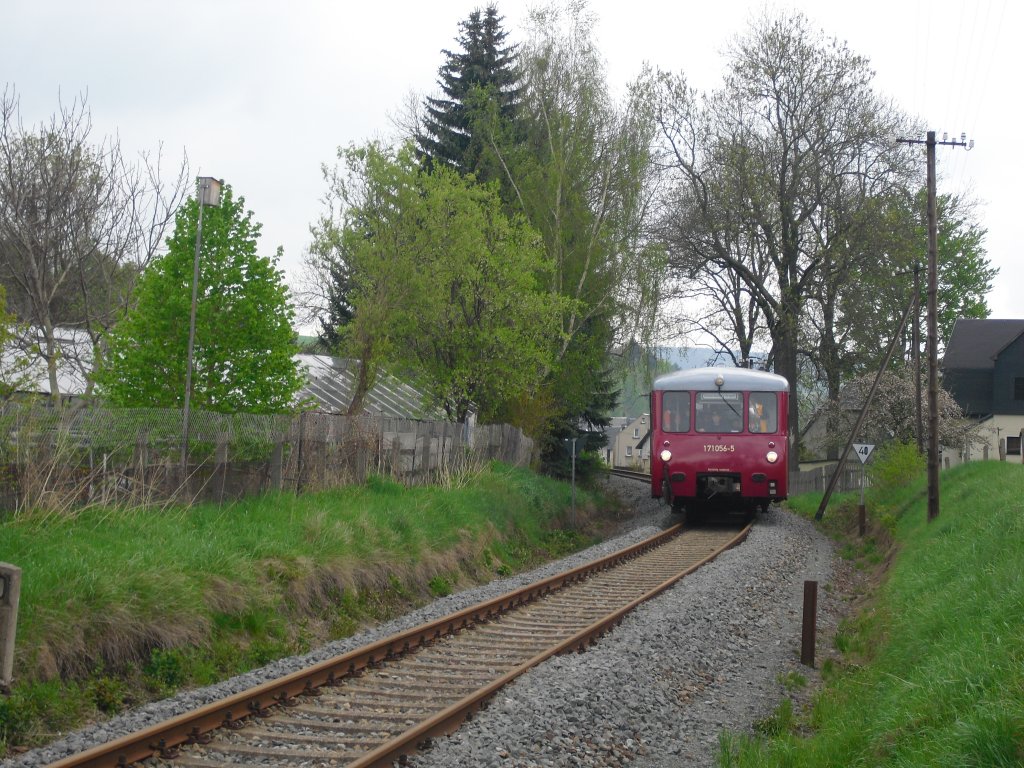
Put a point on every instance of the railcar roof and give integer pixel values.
(735, 378)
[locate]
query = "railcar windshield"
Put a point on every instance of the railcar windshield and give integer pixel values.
(675, 412)
(719, 412)
(763, 412)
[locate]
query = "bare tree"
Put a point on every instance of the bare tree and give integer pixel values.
(772, 170)
(78, 223)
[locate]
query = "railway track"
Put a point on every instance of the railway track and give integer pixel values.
(373, 705)
(643, 477)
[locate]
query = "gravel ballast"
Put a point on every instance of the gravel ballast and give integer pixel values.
(706, 656)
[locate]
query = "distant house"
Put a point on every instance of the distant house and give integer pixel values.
(628, 445)
(615, 425)
(983, 369)
(74, 362)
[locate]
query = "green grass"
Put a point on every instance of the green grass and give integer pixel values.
(933, 671)
(115, 601)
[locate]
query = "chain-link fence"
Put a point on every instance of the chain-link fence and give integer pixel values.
(60, 460)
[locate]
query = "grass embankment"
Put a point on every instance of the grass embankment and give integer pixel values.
(115, 603)
(931, 670)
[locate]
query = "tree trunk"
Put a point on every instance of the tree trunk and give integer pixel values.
(363, 380)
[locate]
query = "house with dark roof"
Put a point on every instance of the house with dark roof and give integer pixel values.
(983, 369)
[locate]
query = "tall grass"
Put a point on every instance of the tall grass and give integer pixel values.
(165, 598)
(933, 671)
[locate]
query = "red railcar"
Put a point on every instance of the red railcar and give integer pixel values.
(719, 440)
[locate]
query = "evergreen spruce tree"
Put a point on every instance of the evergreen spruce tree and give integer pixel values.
(482, 79)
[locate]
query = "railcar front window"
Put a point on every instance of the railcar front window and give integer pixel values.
(675, 412)
(763, 413)
(719, 412)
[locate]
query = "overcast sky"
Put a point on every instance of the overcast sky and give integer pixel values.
(262, 93)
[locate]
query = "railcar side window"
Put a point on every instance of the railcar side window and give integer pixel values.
(763, 413)
(719, 412)
(675, 412)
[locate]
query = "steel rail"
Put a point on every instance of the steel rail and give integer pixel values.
(449, 719)
(230, 712)
(644, 477)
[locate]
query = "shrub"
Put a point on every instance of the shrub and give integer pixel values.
(895, 465)
(440, 586)
(165, 669)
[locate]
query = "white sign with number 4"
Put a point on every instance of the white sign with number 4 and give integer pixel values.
(863, 451)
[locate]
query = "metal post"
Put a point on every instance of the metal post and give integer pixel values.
(208, 194)
(810, 621)
(192, 331)
(572, 520)
(861, 512)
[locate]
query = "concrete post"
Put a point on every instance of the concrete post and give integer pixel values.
(10, 590)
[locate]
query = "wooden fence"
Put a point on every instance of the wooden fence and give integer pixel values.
(816, 479)
(53, 460)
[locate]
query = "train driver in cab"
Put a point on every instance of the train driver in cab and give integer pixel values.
(721, 419)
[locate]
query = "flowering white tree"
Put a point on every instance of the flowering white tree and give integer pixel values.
(892, 416)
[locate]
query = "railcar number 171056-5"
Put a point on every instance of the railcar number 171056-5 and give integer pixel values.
(733, 417)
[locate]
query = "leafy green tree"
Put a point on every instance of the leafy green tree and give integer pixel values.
(869, 295)
(965, 275)
(443, 283)
(580, 170)
(481, 78)
(244, 341)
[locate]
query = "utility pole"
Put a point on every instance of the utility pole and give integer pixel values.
(915, 341)
(933, 283)
(917, 355)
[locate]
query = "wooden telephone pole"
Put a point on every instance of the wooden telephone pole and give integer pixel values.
(933, 282)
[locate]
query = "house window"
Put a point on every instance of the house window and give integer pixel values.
(1013, 446)
(1018, 389)
(636, 432)
(629, 450)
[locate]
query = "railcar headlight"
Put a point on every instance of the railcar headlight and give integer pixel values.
(772, 457)
(666, 455)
